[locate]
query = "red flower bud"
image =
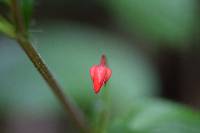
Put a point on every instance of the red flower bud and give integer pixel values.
(100, 74)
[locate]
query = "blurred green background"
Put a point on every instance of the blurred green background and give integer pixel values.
(152, 48)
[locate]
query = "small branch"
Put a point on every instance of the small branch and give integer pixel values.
(37, 61)
(33, 55)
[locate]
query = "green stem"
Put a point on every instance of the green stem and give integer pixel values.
(103, 118)
(38, 62)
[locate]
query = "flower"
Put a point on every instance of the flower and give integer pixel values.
(100, 74)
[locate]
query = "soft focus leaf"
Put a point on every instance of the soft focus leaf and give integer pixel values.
(78, 48)
(6, 27)
(27, 10)
(158, 116)
(159, 20)
(5, 1)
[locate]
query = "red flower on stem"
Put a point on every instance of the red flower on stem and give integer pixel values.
(100, 74)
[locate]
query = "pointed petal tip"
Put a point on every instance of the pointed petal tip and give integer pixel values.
(97, 89)
(96, 92)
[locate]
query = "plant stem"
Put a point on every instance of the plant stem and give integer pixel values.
(22, 39)
(33, 55)
(105, 114)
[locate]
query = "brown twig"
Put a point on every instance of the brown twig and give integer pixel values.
(38, 62)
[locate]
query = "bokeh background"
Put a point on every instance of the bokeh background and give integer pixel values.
(152, 48)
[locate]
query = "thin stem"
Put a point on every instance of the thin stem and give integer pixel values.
(105, 113)
(38, 62)
(103, 60)
(33, 55)
(103, 116)
(17, 17)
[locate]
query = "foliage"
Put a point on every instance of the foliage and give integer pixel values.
(159, 20)
(6, 27)
(70, 50)
(131, 106)
(27, 10)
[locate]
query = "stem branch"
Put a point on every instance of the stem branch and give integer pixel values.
(38, 62)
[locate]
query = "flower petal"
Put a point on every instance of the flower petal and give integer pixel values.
(92, 71)
(108, 74)
(99, 78)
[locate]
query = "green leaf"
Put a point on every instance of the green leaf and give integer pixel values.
(5, 1)
(157, 20)
(159, 116)
(27, 10)
(6, 27)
